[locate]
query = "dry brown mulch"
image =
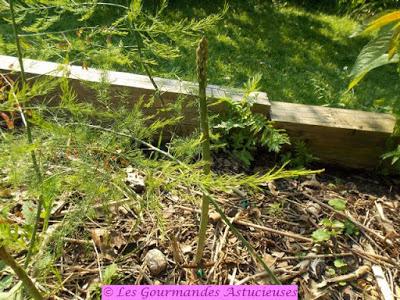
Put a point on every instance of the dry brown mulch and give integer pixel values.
(279, 223)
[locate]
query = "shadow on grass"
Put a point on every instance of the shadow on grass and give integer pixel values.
(303, 57)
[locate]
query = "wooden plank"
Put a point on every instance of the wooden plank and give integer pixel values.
(350, 138)
(137, 85)
(332, 117)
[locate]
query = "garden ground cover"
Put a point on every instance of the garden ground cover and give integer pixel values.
(113, 243)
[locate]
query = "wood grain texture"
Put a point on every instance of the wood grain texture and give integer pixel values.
(350, 138)
(332, 117)
(137, 85)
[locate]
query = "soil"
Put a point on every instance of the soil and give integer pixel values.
(287, 206)
(278, 221)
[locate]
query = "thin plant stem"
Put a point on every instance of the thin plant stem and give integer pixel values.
(150, 146)
(77, 4)
(20, 272)
(139, 41)
(39, 177)
(57, 32)
(201, 60)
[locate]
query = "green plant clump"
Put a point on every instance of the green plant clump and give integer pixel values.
(331, 228)
(243, 131)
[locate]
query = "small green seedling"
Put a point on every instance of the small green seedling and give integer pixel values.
(338, 204)
(275, 209)
(339, 263)
(332, 227)
(321, 235)
(350, 228)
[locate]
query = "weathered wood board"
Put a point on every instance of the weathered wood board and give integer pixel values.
(137, 85)
(344, 137)
(349, 138)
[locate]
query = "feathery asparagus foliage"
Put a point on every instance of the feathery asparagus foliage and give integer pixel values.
(84, 162)
(7, 231)
(104, 34)
(86, 167)
(26, 122)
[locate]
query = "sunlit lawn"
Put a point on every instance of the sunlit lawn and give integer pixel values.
(303, 57)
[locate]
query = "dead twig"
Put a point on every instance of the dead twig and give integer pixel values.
(348, 277)
(380, 278)
(382, 282)
(390, 231)
(333, 255)
(372, 256)
(232, 276)
(278, 232)
(98, 261)
(264, 274)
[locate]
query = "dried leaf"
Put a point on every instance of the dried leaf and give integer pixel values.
(7, 119)
(102, 240)
(5, 193)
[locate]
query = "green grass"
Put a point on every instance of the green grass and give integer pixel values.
(303, 55)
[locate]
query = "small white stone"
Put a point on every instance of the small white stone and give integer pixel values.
(313, 208)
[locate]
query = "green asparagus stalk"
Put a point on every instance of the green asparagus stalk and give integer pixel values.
(201, 60)
(20, 272)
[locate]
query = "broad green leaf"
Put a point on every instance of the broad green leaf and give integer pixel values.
(321, 235)
(338, 204)
(373, 55)
(383, 21)
(394, 42)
